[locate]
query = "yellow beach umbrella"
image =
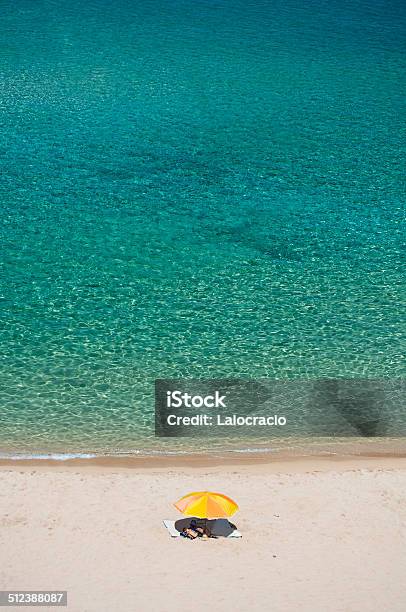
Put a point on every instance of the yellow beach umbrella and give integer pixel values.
(205, 504)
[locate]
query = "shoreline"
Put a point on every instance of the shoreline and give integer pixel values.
(265, 461)
(283, 449)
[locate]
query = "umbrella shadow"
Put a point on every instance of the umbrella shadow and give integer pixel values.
(218, 527)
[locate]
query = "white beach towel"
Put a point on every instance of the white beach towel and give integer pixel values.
(174, 533)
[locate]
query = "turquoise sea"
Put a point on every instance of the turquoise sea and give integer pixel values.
(194, 188)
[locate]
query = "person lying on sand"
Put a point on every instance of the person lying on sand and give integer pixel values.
(197, 530)
(187, 532)
(196, 527)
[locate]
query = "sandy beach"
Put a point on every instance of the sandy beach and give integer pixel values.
(319, 535)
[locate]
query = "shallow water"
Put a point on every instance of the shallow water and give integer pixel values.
(194, 189)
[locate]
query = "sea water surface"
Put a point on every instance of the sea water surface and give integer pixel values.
(194, 188)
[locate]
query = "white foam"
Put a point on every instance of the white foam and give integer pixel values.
(45, 456)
